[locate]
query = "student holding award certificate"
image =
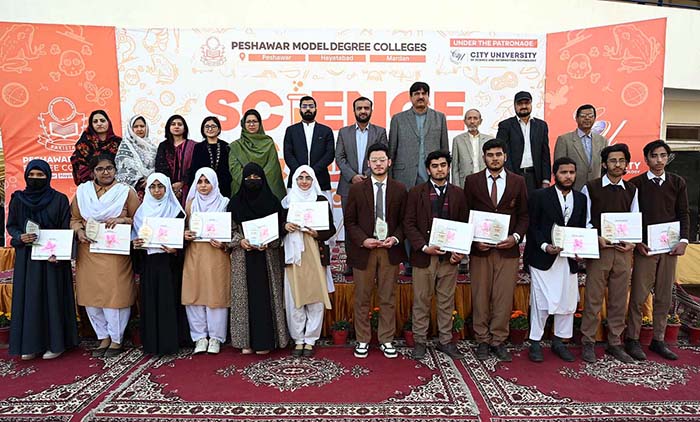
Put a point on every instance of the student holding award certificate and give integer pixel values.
(373, 223)
(554, 284)
(608, 194)
(306, 258)
(663, 201)
(494, 268)
(105, 282)
(434, 269)
(258, 322)
(206, 282)
(43, 306)
(160, 269)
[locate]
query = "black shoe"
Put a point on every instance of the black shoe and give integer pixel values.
(502, 353)
(482, 351)
(112, 352)
(618, 353)
(418, 351)
(535, 352)
(661, 349)
(560, 349)
(308, 351)
(99, 352)
(588, 353)
(450, 350)
(298, 351)
(634, 349)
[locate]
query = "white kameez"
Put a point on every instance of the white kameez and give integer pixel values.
(207, 322)
(108, 322)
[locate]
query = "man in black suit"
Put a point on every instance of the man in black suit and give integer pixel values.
(311, 143)
(529, 159)
(554, 284)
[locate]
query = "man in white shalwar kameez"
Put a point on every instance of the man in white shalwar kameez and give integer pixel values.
(554, 285)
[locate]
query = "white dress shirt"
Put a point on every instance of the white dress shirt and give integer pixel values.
(500, 184)
(527, 149)
(633, 208)
(567, 207)
(475, 151)
(309, 134)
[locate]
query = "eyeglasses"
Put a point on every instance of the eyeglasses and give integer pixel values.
(307, 106)
(251, 122)
(107, 169)
(210, 127)
(378, 160)
(615, 162)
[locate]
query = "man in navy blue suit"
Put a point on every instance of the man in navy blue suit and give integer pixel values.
(309, 142)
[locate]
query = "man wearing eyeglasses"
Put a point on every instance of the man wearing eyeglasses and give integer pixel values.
(663, 198)
(612, 271)
(309, 142)
(583, 146)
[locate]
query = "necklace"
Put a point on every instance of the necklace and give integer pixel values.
(214, 165)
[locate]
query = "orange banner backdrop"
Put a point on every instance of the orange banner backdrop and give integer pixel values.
(617, 68)
(51, 78)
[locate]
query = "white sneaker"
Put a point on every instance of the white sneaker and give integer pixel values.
(200, 346)
(51, 355)
(361, 350)
(214, 346)
(389, 350)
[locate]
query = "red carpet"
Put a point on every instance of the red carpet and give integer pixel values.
(334, 386)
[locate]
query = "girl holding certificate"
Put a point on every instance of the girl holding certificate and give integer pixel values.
(306, 258)
(104, 282)
(257, 296)
(160, 269)
(43, 306)
(206, 283)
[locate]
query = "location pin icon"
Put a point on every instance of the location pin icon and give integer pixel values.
(242, 56)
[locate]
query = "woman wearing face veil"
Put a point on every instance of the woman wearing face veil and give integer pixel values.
(104, 282)
(161, 272)
(43, 308)
(257, 295)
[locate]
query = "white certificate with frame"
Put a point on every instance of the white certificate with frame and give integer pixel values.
(53, 242)
(168, 232)
(663, 237)
(214, 226)
(261, 231)
(489, 227)
(115, 241)
(619, 227)
(313, 215)
(452, 236)
(576, 241)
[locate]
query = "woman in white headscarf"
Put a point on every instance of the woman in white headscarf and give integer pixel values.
(306, 258)
(136, 156)
(161, 271)
(104, 282)
(206, 278)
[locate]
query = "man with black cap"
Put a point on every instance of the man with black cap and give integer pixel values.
(527, 139)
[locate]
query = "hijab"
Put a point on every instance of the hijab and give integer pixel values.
(251, 202)
(256, 148)
(214, 201)
(109, 205)
(294, 242)
(166, 207)
(136, 155)
(37, 197)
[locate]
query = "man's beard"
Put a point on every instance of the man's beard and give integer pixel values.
(308, 116)
(363, 119)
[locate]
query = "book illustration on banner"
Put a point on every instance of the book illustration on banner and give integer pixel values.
(58, 243)
(157, 232)
(261, 231)
(211, 226)
(619, 227)
(312, 215)
(576, 242)
(116, 241)
(489, 227)
(452, 236)
(663, 237)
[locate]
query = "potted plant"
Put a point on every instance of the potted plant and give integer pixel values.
(673, 324)
(374, 323)
(5, 318)
(694, 331)
(578, 317)
(457, 326)
(519, 325)
(646, 334)
(340, 330)
(408, 332)
(134, 331)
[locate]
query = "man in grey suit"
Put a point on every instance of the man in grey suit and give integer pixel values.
(466, 148)
(583, 146)
(413, 134)
(351, 152)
